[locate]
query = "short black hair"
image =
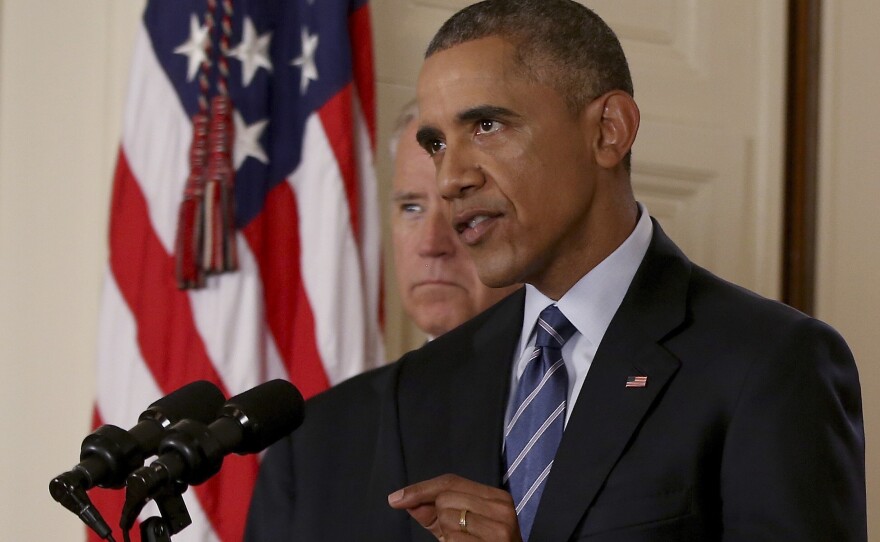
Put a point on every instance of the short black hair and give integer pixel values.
(560, 42)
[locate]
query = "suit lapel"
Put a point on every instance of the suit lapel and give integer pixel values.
(607, 413)
(453, 394)
(386, 471)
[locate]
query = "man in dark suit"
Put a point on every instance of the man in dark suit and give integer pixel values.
(676, 406)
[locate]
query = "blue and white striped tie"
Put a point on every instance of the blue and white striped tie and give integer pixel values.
(535, 428)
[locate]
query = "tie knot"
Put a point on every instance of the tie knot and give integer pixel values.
(553, 328)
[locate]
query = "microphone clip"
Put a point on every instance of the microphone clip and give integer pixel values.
(173, 518)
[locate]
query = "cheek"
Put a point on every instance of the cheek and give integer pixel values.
(403, 239)
(554, 189)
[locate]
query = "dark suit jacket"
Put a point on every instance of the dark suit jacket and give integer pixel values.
(749, 428)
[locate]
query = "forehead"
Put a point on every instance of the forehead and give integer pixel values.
(475, 72)
(413, 168)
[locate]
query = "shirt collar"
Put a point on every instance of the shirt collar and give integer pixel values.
(594, 299)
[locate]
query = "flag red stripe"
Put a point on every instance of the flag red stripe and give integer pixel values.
(276, 247)
(168, 339)
(226, 496)
(360, 34)
(337, 117)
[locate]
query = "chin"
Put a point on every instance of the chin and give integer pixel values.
(498, 280)
(498, 272)
(436, 322)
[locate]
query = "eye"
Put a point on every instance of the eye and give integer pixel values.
(434, 146)
(487, 126)
(410, 208)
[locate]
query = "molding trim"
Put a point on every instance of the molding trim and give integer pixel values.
(801, 154)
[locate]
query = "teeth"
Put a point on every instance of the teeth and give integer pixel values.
(476, 220)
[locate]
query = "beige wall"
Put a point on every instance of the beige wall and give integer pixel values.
(62, 72)
(62, 77)
(849, 226)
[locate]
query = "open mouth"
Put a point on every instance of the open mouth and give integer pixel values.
(472, 227)
(472, 223)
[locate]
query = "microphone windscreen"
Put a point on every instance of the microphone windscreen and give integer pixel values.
(267, 413)
(197, 400)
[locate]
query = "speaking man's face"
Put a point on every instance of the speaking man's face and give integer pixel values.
(514, 163)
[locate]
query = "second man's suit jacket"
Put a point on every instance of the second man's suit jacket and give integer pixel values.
(749, 427)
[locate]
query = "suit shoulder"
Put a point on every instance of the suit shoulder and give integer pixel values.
(748, 326)
(500, 315)
(708, 292)
(488, 330)
(364, 389)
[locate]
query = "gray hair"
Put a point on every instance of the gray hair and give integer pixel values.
(409, 113)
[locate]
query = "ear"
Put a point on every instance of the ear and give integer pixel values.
(618, 122)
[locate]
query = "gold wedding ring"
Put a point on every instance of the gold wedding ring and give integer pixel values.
(462, 521)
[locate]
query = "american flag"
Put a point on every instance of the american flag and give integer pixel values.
(636, 381)
(305, 302)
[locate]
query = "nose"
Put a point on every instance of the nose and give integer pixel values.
(458, 173)
(437, 238)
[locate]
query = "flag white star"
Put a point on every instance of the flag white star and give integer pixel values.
(194, 46)
(247, 140)
(306, 60)
(253, 51)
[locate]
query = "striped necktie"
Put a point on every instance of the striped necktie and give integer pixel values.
(535, 428)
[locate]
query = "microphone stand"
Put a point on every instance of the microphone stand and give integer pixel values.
(173, 518)
(154, 530)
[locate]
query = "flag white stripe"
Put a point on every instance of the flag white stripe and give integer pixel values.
(371, 235)
(223, 313)
(120, 362)
(275, 367)
(330, 261)
(160, 164)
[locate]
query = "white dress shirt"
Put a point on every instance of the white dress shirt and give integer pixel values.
(590, 305)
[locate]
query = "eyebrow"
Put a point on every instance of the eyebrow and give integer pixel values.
(407, 195)
(485, 112)
(426, 134)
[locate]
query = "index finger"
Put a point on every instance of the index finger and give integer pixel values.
(426, 492)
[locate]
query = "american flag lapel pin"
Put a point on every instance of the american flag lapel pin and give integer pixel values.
(636, 381)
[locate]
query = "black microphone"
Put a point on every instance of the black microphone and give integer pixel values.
(191, 452)
(109, 454)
